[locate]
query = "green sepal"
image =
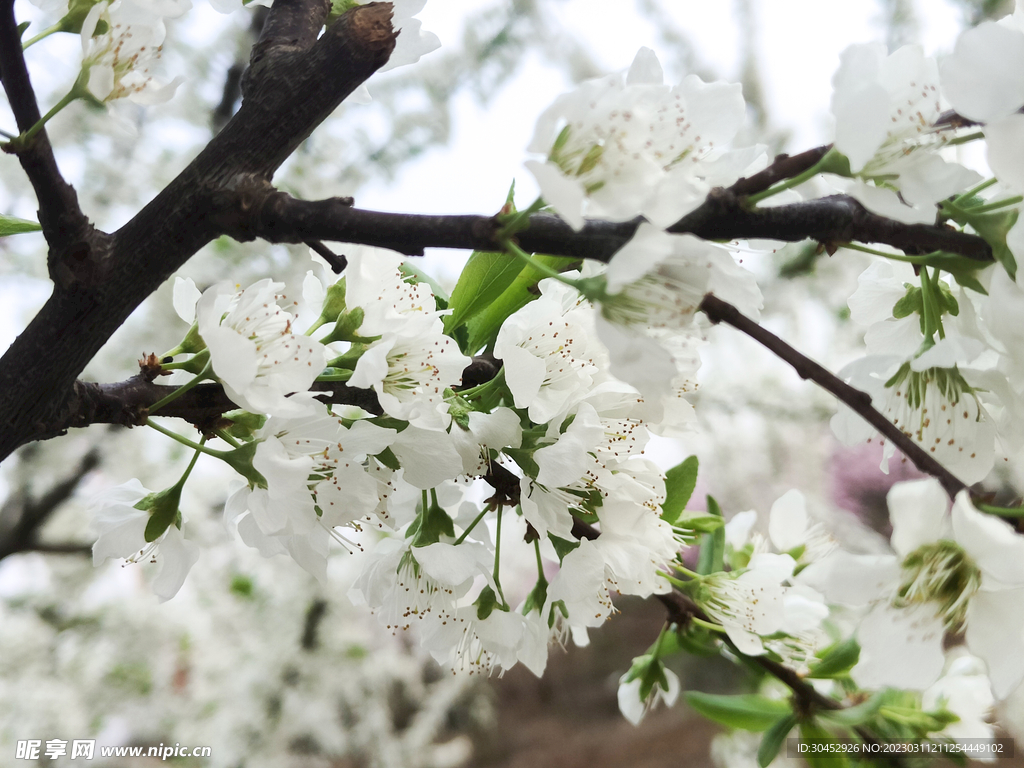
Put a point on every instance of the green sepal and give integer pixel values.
(562, 546)
(244, 424)
(746, 711)
(163, 511)
(193, 343)
(388, 459)
(73, 20)
(650, 671)
(458, 408)
(22, 28)
(679, 484)
(911, 303)
(345, 327)
(334, 301)
(537, 598)
(486, 603)
(11, 225)
(773, 740)
(837, 660)
(240, 460)
(430, 525)
(712, 545)
(700, 522)
(835, 162)
(523, 459)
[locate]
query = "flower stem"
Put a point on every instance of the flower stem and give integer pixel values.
(472, 525)
(975, 190)
(58, 27)
(497, 558)
(179, 391)
(28, 135)
(796, 181)
(707, 625)
(518, 221)
(992, 509)
(996, 205)
(965, 139)
(223, 435)
(185, 441)
(544, 269)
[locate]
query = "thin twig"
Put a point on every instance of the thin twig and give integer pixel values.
(719, 311)
(337, 261)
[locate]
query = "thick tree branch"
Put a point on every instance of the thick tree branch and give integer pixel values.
(832, 220)
(127, 403)
(719, 311)
(59, 213)
(285, 97)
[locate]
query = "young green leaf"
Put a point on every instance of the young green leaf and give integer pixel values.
(484, 278)
(773, 740)
(483, 326)
(679, 484)
(10, 225)
(837, 661)
(748, 711)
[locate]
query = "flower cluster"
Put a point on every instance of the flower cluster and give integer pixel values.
(485, 451)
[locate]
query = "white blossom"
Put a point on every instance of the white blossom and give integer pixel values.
(122, 534)
(254, 350)
(628, 144)
(119, 58)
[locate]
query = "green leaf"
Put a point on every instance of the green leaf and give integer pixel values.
(747, 711)
(837, 661)
(679, 484)
(485, 277)
(850, 717)
(773, 740)
(483, 326)
(810, 733)
(10, 225)
(712, 545)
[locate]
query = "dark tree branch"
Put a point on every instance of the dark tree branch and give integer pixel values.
(831, 220)
(97, 286)
(291, 26)
(719, 311)
(21, 518)
(784, 167)
(126, 403)
(62, 219)
(338, 262)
